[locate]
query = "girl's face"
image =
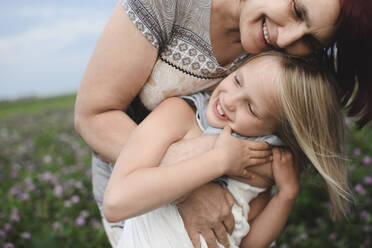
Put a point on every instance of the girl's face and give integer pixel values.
(296, 26)
(245, 100)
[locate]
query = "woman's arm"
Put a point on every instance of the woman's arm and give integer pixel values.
(266, 227)
(119, 66)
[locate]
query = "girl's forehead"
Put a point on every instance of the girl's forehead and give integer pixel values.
(262, 64)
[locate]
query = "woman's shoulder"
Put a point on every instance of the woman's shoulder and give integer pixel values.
(153, 18)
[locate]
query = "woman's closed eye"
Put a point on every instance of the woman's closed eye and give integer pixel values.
(297, 13)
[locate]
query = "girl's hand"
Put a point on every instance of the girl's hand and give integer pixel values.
(240, 153)
(285, 173)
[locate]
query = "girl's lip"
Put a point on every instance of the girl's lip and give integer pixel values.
(224, 118)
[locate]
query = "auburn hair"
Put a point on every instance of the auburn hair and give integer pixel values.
(351, 58)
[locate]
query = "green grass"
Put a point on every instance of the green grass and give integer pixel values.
(35, 105)
(45, 185)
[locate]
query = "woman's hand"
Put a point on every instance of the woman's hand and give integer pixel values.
(285, 173)
(241, 153)
(207, 211)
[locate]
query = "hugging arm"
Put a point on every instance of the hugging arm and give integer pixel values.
(111, 80)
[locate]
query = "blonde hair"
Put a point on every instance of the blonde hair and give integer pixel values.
(311, 123)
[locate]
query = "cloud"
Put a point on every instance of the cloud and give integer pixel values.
(49, 55)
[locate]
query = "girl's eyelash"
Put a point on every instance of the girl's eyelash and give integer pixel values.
(237, 80)
(250, 109)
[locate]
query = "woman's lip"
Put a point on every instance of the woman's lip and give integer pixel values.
(262, 37)
(224, 118)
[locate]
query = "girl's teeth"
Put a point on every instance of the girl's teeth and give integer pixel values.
(219, 109)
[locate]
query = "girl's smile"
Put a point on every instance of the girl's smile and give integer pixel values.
(244, 99)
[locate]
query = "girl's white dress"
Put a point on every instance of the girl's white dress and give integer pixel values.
(164, 228)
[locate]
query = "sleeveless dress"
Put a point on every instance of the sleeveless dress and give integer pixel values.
(179, 29)
(163, 227)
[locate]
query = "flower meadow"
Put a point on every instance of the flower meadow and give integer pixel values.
(46, 197)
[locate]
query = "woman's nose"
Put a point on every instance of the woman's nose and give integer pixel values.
(290, 39)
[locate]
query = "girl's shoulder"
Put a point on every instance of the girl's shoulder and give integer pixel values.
(173, 115)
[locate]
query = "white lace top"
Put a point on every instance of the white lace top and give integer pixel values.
(180, 31)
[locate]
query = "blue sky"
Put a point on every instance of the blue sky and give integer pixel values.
(45, 45)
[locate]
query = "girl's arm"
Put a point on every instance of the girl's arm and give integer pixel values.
(266, 227)
(148, 186)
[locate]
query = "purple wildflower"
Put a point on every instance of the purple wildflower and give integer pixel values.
(357, 152)
(367, 160)
(58, 191)
(14, 216)
(56, 227)
(80, 221)
(366, 228)
(360, 189)
(333, 236)
(67, 204)
(368, 180)
(8, 245)
(363, 214)
(26, 235)
(47, 159)
(75, 199)
(84, 213)
(14, 174)
(24, 196)
(95, 224)
(347, 121)
(7, 227)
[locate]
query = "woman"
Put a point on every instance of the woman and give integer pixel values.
(180, 47)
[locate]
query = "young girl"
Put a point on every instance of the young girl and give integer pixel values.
(272, 93)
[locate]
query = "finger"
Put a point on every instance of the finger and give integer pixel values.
(259, 161)
(195, 239)
(261, 145)
(221, 233)
(276, 154)
(246, 174)
(229, 223)
(210, 238)
(261, 154)
(226, 130)
(230, 199)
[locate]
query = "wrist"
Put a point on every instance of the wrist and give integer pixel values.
(290, 194)
(224, 160)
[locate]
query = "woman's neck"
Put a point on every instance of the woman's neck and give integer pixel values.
(224, 31)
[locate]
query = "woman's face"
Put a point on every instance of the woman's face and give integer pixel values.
(296, 26)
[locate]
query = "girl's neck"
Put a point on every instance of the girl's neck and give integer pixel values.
(224, 31)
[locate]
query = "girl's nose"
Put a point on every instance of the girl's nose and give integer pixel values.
(231, 100)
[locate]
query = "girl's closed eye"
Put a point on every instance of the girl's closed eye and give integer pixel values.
(237, 82)
(251, 110)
